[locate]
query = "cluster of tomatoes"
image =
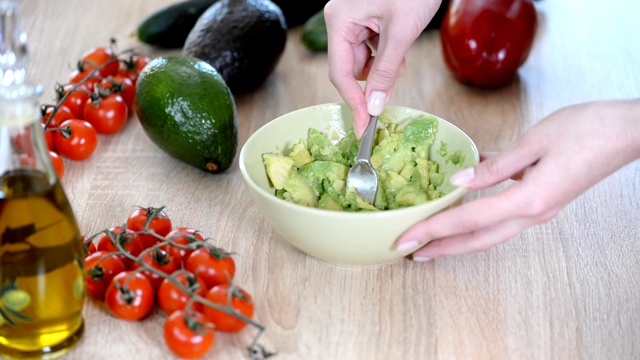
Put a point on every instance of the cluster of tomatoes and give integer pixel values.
(97, 99)
(149, 263)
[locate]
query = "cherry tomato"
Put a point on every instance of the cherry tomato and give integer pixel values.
(81, 144)
(214, 266)
(122, 86)
(58, 163)
(101, 58)
(182, 236)
(48, 137)
(172, 298)
(188, 337)
(133, 301)
(84, 78)
(160, 224)
(485, 41)
(63, 113)
(89, 246)
(241, 303)
(101, 267)
(130, 242)
(158, 260)
(76, 99)
(107, 115)
(132, 67)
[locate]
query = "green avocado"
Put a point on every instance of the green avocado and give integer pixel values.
(242, 39)
(168, 27)
(186, 109)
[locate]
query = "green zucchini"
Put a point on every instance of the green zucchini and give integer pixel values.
(168, 27)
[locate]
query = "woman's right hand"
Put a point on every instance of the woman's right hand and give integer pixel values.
(354, 28)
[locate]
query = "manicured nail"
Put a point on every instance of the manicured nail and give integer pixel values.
(463, 177)
(376, 102)
(406, 246)
(420, 258)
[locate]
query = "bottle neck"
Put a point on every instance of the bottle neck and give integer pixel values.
(22, 143)
(13, 45)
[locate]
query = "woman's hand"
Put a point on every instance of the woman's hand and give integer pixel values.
(558, 159)
(368, 40)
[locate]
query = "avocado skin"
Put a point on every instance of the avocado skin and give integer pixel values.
(297, 12)
(242, 39)
(187, 110)
(168, 27)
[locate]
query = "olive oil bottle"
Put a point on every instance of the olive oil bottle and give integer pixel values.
(41, 255)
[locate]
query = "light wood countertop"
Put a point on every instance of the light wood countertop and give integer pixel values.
(568, 289)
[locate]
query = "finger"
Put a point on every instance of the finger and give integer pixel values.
(499, 167)
(477, 241)
(386, 67)
(467, 218)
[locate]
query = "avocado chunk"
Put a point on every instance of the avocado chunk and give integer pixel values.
(299, 191)
(278, 167)
(186, 108)
(300, 154)
(242, 39)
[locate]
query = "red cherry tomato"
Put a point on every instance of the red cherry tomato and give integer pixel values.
(85, 78)
(122, 86)
(484, 42)
(241, 303)
(48, 137)
(76, 99)
(82, 142)
(188, 339)
(63, 113)
(101, 269)
(160, 224)
(213, 266)
(58, 163)
(107, 115)
(172, 298)
(133, 301)
(158, 260)
(182, 236)
(130, 242)
(101, 58)
(132, 67)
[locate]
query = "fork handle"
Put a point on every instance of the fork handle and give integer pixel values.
(366, 142)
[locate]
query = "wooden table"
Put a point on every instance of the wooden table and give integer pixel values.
(568, 289)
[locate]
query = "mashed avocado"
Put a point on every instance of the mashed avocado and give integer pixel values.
(314, 172)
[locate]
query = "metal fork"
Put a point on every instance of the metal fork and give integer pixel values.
(362, 176)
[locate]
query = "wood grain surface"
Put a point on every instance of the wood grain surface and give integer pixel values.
(568, 289)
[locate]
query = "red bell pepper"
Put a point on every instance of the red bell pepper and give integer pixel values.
(484, 42)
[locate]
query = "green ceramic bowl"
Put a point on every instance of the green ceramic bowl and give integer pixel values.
(349, 239)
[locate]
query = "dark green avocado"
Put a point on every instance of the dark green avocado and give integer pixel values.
(186, 108)
(242, 39)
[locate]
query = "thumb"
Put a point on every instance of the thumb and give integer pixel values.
(494, 169)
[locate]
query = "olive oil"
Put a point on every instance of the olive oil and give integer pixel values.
(41, 267)
(42, 277)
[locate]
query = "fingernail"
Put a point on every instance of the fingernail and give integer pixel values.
(376, 102)
(463, 177)
(420, 258)
(406, 246)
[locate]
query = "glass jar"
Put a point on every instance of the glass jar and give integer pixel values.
(41, 252)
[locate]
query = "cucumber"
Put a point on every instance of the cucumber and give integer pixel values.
(314, 33)
(168, 27)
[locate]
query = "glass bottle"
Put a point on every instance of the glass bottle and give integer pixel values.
(41, 254)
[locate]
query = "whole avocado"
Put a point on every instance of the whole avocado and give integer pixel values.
(242, 39)
(186, 109)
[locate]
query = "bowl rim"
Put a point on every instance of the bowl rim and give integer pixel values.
(458, 192)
